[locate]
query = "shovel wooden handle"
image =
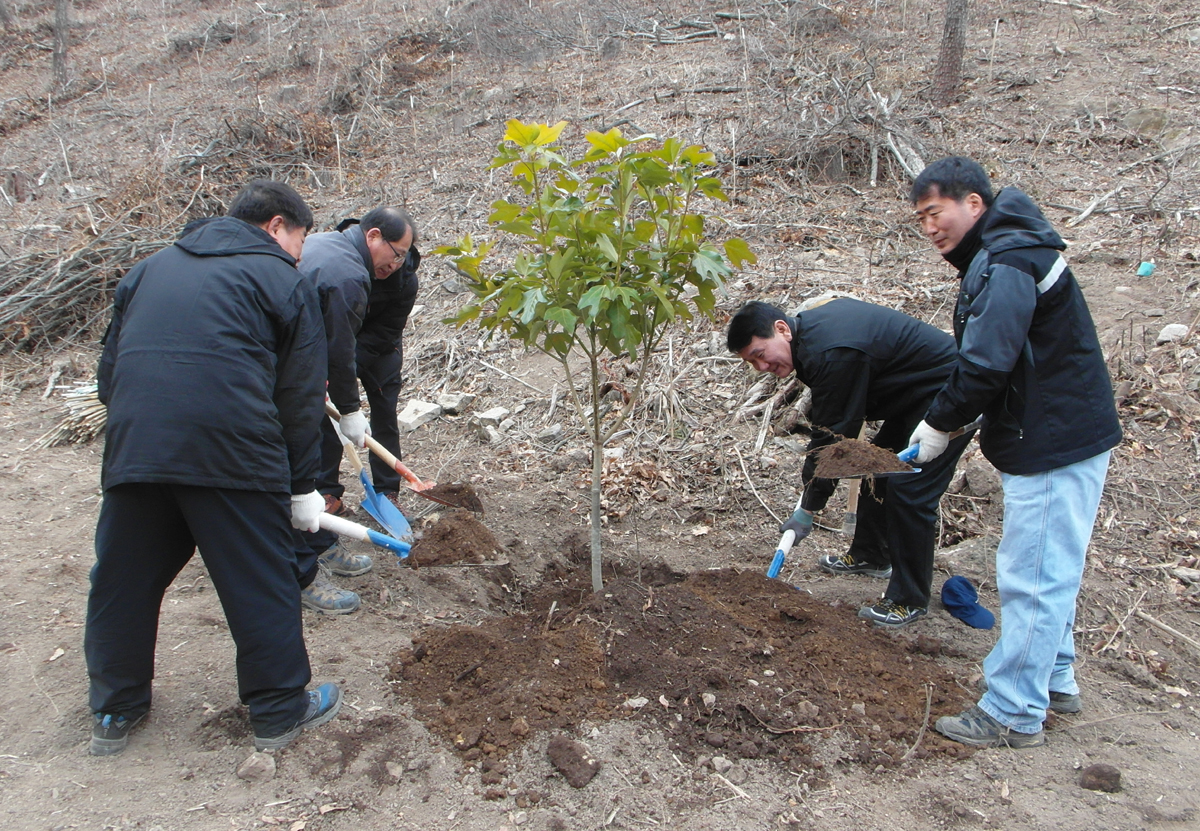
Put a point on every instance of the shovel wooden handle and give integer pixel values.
(386, 455)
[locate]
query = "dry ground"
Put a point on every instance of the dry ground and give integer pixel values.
(171, 105)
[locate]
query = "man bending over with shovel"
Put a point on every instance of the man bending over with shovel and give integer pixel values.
(864, 363)
(344, 266)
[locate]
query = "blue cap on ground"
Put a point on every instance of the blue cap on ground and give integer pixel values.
(961, 600)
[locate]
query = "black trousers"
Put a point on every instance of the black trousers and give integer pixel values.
(145, 536)
(380, 376)
(898, 515)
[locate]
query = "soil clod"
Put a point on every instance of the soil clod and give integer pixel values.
(851, 457)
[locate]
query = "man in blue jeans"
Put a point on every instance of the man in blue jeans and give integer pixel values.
(1029, 361)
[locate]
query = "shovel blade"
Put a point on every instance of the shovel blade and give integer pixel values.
(384, 512)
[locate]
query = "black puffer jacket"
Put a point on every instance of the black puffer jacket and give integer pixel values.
(339, 265)
(213, 367)
(389, 304)
(1029, 360)
(864, 363)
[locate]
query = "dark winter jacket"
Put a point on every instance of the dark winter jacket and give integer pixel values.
(213, 367)
(863, 363)
(339, 265)
(1029, 359)
(390, 302)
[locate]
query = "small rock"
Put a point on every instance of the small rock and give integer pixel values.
(1155, 312)
(258, 767)
(416, 413)
(453, 403)
(493, 417)
(550, 433)
(1172, 332)
(637, 703)
(394, 769)
(737, 775)
(1100, 777)
(720, 764)
(520, 818)
(1187, 575)
(574, 761)
(714, 739)
(859, 708)
(709, 700)
(493, 93)
(520, 727)
(453, 286)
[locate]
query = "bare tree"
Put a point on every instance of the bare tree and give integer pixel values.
(62, 23)
(947, 76)
(6, 18)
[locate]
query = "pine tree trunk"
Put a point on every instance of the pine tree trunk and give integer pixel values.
(62, 23)
(6, 19)
(947, 76)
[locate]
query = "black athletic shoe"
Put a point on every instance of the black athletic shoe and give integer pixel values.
(323, 704)
(891, 614)
(110, 733)
(848, 564)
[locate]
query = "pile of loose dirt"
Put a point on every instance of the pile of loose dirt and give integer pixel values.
(726, 662)
(454, 536)
(851, 457)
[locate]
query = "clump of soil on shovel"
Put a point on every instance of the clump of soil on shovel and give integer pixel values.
(851, 457)
(456, 494)
(724, 662)
(454, 536)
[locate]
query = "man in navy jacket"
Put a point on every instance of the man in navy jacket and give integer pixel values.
(1030, 362)
(213, 372)
(864, 362)
(344, 266)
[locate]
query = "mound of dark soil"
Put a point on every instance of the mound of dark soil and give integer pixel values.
(454, 536)
(726, 662)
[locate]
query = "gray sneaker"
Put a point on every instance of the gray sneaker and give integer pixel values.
(848, 564)
(891, 614)
(324, 703)
(322, 596)
(978, 729)
(110, 733)
(339, 560)
(1067, 704)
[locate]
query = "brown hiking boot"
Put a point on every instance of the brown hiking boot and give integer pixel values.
(334, 505)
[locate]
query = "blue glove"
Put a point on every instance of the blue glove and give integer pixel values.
(800, 524)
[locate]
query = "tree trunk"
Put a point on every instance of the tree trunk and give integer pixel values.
(597, 472)
(6, 19)
(62, 23)
(947, 76)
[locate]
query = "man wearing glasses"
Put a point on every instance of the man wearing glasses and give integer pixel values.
(345, 265)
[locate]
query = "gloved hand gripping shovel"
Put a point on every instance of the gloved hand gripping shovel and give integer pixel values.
(468, 500)
(785, 545)
(381, 510)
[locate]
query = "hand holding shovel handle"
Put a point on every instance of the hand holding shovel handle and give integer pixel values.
(386, 455)
(785, 545)
(346, 528)
(909, 453)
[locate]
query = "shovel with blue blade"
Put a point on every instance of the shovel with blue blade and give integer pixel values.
(346, 528)
(380, 508)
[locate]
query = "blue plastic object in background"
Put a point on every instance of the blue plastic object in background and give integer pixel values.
(1145, 269)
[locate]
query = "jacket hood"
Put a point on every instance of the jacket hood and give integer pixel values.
(225, 236)
(1013, 221)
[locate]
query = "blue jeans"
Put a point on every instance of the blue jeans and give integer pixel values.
(1048, 520)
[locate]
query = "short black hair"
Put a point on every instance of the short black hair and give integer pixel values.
(393, 223)
(756, 319)
(955, 177)
(264, 199)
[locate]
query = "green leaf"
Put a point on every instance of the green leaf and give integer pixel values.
(739, 253)
(520, 133)
(607, 248)
(548, 135)
(562, 317)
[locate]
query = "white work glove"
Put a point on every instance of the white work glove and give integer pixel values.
(355, 428)
(933, 442)
(306, 511)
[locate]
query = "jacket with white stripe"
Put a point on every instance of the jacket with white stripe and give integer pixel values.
(1029, 360)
